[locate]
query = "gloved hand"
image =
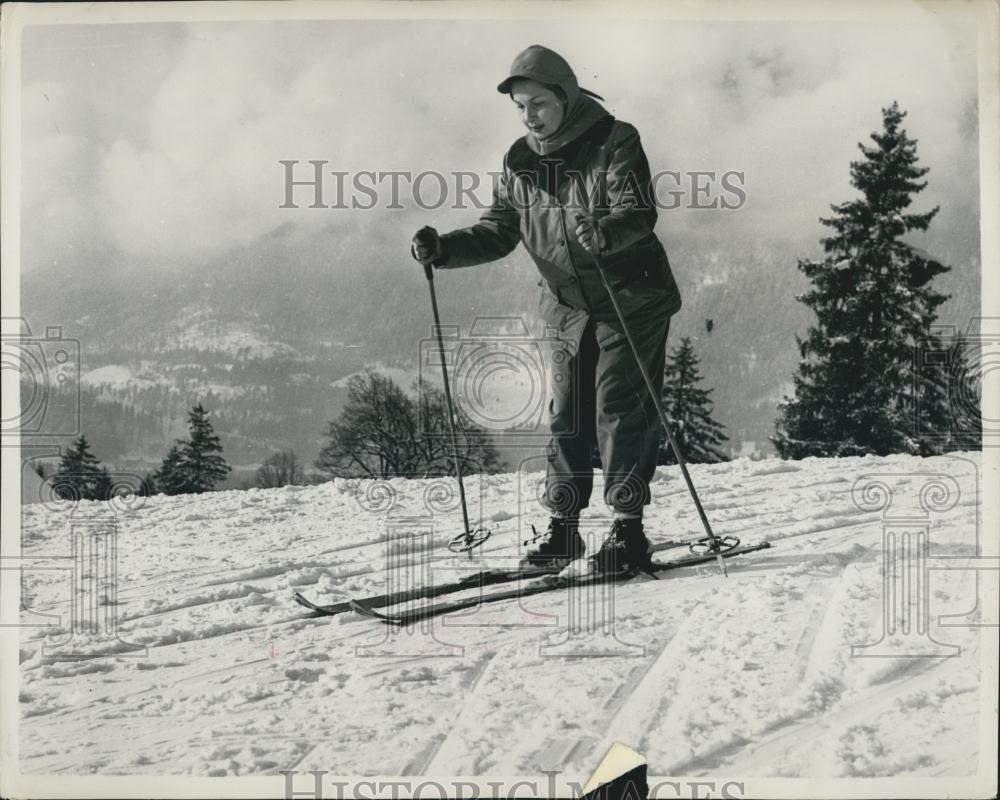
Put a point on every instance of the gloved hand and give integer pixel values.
(589, 234)
(426, 247)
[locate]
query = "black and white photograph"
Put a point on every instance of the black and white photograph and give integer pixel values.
(500, 400)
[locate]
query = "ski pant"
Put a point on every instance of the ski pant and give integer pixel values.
(598, 396)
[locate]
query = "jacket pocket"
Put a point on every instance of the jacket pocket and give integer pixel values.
(548, 303)
(644, 260)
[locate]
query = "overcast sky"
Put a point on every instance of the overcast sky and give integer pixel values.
(161, 142)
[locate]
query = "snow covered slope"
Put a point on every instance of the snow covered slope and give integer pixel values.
(753, 675)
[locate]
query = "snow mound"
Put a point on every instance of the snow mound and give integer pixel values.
(783, 669)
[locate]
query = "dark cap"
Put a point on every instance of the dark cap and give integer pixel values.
(540, 64)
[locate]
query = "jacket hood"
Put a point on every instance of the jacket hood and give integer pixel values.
(541, 64)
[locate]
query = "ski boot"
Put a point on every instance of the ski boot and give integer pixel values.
(626, 549)
(554, 547)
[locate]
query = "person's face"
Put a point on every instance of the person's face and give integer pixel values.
(540, 108)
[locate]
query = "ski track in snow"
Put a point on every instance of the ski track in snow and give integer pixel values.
(750, 676)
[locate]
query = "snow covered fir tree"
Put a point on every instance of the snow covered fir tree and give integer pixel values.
(196, 464)
(859, 386)
(689, 410)
(169, 478)
(79, 475)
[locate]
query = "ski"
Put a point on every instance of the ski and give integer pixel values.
(555, 582)
(478, 580)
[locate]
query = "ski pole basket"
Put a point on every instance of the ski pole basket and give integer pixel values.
(714, 544)
(465, 542)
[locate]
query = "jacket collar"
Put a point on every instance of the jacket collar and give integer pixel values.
(582, 115)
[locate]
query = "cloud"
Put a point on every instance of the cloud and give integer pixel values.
(167, 150)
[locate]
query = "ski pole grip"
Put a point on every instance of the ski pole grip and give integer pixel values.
(579, 218)
(427, 236)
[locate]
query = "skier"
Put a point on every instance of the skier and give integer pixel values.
(576, 186)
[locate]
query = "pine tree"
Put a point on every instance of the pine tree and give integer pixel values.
(170, 478)
(856, 389)
(689, 411)
(202, 461)
(79, 475)
(147, 486)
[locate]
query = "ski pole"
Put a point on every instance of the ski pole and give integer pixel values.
(469, 539)
(715, 543)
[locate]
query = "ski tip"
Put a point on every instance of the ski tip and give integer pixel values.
(303, 601)
(360, 608)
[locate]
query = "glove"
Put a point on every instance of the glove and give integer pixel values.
(426, 247)
(589, 234)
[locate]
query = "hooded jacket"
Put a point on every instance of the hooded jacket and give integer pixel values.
(592, 165)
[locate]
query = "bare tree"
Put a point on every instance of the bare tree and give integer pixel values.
(383, 433)
(280, 469)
